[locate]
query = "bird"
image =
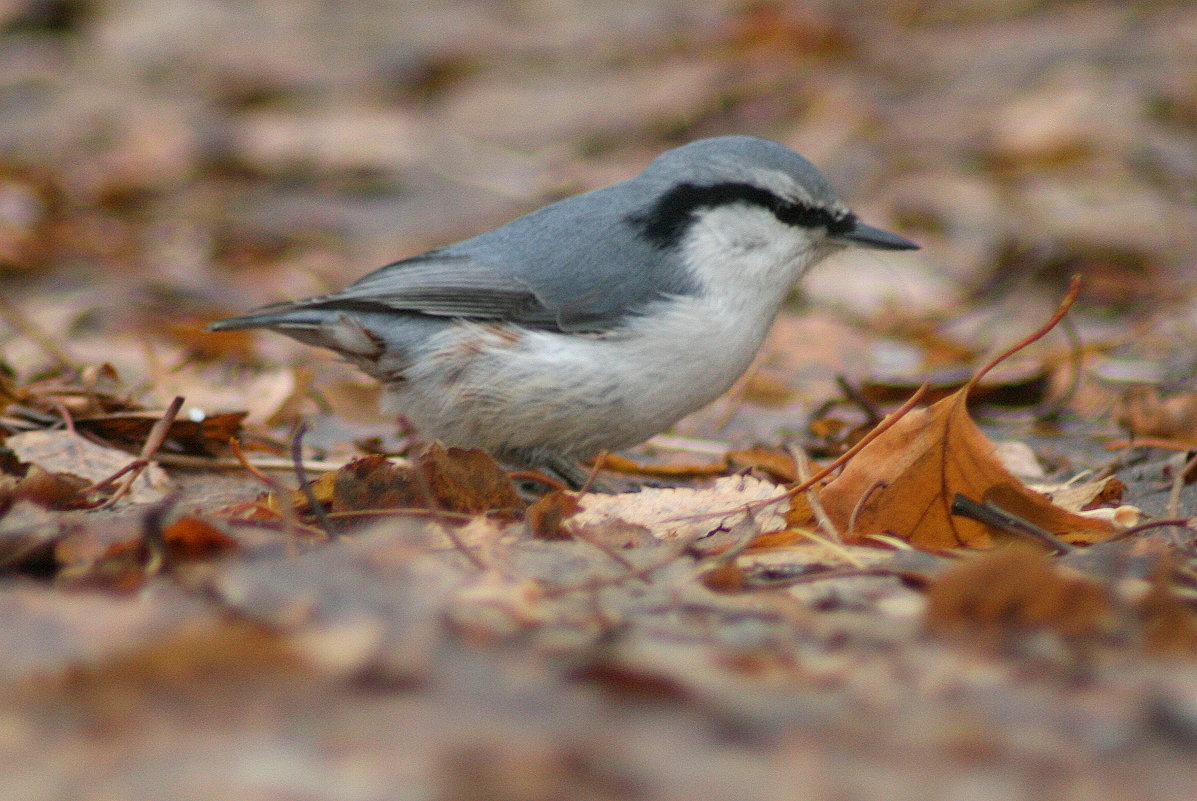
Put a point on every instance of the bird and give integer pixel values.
(597, 321)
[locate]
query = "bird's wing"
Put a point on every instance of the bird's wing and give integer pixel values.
(444, 285)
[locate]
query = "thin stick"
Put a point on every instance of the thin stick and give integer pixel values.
(1178, 482)
(1178, 522)
(153, 442)
(258, 464)
(153, 533)
(306, 488)
(802, 463)
(291, 524)
(1074, 289)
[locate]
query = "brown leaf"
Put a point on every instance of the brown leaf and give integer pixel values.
(622, 464)
(546, 515)
(903, 484)
(1144, 413)
(65, 452)
(192, 538)
(129, 430)
(774, 461)
(49, 490)
(373, 482)
(467, 480)
(451, 480)
(1014, 589)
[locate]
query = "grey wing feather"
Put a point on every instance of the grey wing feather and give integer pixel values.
(443, 285)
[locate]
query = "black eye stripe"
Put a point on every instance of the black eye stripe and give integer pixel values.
(665, 222)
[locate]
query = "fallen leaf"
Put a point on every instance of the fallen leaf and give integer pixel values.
(66, 452)
(545, 517)
(467, 480)
(1144, 413)
(684, 513)
(207, 436)
(48, 490)
(903, 484)
(192, 538)
(622, 464)
(452, 480)
(774, 461)
(1013, 590)
(373, 482)
(1104, 492)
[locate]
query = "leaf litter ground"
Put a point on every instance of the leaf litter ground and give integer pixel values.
(204, 632)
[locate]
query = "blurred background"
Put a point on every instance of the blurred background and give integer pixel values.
(166, 163)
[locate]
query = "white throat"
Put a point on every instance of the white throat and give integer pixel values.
(748, 260)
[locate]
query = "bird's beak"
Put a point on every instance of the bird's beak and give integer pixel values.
(866, 236)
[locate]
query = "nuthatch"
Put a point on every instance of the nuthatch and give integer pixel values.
(597, 321)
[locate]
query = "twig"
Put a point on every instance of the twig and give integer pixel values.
(68, 421)
(872, 413)
(859, 506)
(153, 442)
(593, 476)
(1074, 289)
(1076, 352)
(991, 514)
(1178, 522)
(306, 488)
(861, 572)
(802, 463)
(1178, 481)
(257, 464)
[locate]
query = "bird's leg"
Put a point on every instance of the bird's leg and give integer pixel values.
(558, 468)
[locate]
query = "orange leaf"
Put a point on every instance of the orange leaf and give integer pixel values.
(622, 464)
(546, 515)
(903, 483)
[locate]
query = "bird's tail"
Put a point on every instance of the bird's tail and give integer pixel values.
(336, 329)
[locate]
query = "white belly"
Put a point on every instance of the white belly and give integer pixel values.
(487, 386)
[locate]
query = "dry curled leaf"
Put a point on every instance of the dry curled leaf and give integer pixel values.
(903, 483)
(684, 513)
